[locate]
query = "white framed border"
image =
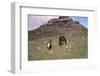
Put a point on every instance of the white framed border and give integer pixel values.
(19, 63)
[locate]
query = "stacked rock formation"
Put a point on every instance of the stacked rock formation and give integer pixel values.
(62, 21)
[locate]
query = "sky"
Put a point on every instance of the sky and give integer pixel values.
(82, 20)
(35, 21)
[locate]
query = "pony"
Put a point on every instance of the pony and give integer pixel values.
(49, 45)
(62, 40)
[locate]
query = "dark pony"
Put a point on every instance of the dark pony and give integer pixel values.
(62, 40)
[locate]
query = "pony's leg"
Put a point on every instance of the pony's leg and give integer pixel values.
(65, 41)
(59, 42)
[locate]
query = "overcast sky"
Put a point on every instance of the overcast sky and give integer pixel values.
(35, 21)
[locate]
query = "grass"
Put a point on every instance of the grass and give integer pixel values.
(77, 48)
(77, 43)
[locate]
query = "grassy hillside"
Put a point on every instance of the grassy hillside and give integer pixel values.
(76, 47)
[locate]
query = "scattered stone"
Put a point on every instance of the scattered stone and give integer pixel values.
(66, 47)
(38, 48)
(64, 53)
(51, 52)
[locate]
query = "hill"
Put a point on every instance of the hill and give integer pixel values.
(74, 32)
(55, 28)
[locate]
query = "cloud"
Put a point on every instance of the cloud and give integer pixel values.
(37, 21)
